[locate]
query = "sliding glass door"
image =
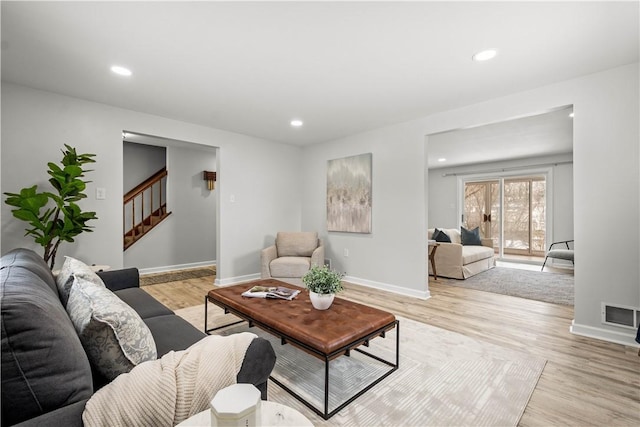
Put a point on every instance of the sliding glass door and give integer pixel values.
(511, 211)
(482, 208)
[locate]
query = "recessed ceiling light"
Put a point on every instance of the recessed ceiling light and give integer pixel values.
(442, 159)
(296, 123)
(485, 55)
(571, 115)
(121, 71)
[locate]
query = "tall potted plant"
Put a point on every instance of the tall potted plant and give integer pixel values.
(323, 284)
(54, 218)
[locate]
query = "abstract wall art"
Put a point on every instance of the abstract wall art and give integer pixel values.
(349, 194)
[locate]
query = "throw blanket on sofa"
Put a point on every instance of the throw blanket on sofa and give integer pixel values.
(167, 391)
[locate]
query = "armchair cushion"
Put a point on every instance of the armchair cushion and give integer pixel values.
(296, 244)
(290, 266)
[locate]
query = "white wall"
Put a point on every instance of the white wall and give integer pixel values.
(392, 256)
(606, 191)
(443, 196)
(140, 162)
(262, 175)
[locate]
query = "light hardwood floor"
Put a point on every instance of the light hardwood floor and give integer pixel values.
(586, 382)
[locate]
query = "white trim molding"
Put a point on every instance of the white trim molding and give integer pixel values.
(388, 287)
(624, 338)
(166, 268)
(236, 280)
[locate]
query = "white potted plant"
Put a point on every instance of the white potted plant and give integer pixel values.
(323, 284)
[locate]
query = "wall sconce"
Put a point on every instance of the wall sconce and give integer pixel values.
(210, 177)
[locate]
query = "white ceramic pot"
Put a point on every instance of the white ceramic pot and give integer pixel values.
(321, 301)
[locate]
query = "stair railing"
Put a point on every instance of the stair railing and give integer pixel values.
(144, 207)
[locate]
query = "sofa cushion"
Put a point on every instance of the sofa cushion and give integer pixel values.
(475, 253)
(470, 237)
(172, 332)
(112, 333)
(144, 304)
(296, 243)
(290, 266)
(441, 236)
(26, 258)
(44, 366)
(70, 268)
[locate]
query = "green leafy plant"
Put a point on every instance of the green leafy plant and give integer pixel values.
(56, 218)
(323, 280)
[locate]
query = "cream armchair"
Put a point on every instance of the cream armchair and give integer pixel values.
(292, 256)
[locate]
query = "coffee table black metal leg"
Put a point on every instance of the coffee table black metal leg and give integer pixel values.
(206, 311)
(326, 387)
(226, 311)
(325, 414)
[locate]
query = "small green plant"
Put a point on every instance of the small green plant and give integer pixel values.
(323, 280)
(62, 219)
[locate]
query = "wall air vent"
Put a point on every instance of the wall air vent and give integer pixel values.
(617, 315)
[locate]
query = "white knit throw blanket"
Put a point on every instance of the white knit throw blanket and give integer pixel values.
(167, 391)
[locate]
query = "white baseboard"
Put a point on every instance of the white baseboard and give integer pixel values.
(166, 268)
(624, 338)
(363, 282)
(238, 279)
(388, 287)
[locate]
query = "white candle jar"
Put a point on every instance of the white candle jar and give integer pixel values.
(236, 406)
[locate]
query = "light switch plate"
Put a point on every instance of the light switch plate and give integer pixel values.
(101, 193)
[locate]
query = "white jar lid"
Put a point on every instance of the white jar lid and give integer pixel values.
(235, 401)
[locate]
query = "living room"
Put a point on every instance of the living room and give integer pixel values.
(278, 185)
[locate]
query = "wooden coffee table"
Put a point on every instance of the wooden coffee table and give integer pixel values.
(325, 334)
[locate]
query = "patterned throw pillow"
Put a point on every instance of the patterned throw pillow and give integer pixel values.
(70, 268)
(111, 332)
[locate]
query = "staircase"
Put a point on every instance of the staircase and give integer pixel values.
(144, 207)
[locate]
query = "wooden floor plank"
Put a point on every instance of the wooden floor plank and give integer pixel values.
(586, 382)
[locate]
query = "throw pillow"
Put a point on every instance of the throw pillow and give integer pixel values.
(441, 236)
(70, 268)
(113, 335)
(470, 237)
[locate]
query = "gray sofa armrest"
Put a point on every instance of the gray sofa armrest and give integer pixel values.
(125, 278)
(266, 256)
(257, 365)
(68, 416)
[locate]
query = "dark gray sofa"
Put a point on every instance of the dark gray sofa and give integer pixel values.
(46, 376)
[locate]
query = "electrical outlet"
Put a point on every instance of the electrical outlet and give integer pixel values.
(346, 252)
(232, 198)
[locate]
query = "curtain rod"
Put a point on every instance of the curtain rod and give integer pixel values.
(514, 168)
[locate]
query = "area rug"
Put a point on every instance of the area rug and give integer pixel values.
(444, 378)
(556, 288)
(176, 276)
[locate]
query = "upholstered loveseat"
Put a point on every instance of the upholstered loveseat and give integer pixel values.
(48, 377)
(458, 261)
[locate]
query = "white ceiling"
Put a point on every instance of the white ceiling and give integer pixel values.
(342, 67)
(538, 135)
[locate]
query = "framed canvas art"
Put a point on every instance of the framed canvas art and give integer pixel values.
(349, 194)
